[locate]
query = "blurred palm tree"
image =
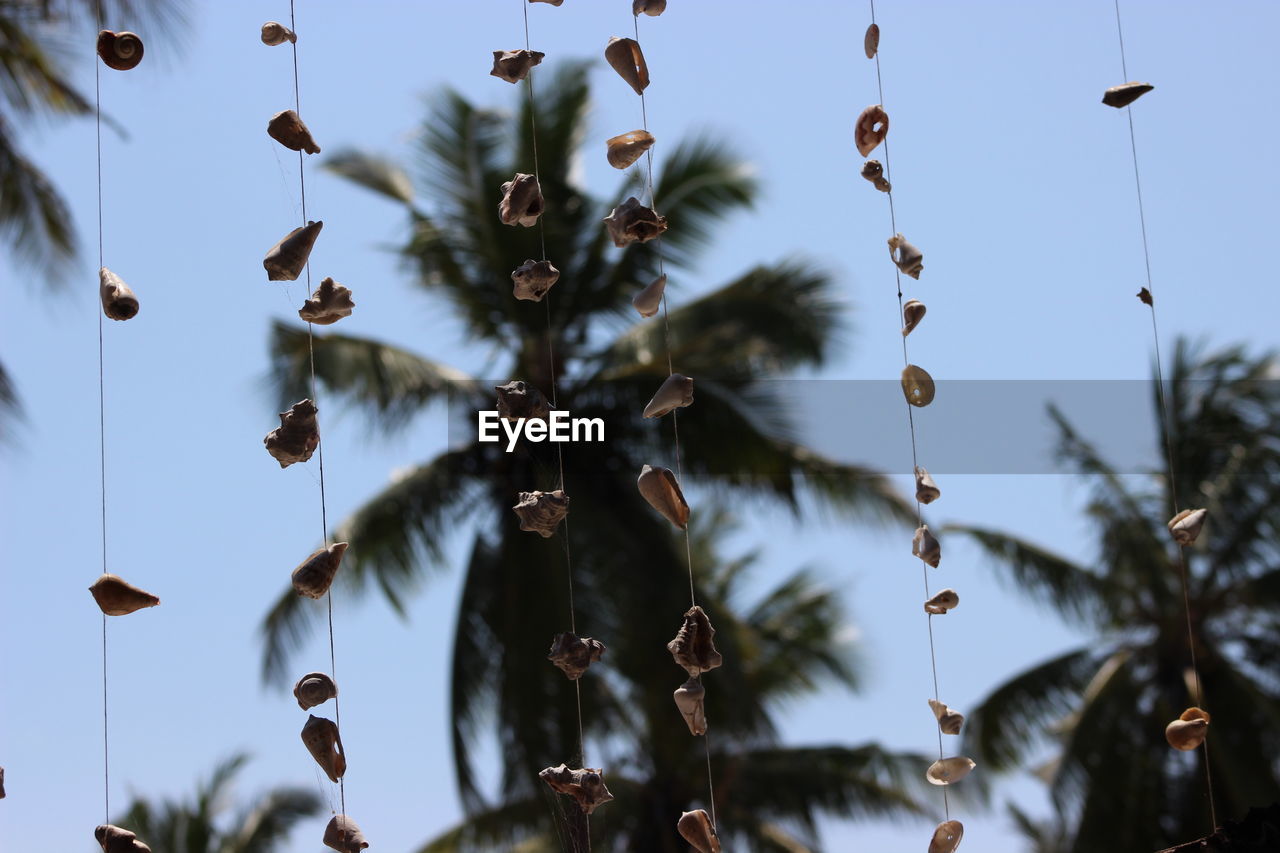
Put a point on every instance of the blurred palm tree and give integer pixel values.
(1115, 781)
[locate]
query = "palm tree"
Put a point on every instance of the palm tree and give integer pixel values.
(736, 438)
(198, 826)
(1115, 781)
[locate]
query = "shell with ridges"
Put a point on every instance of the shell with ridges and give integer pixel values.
(514, 65)
(314, 688)
(573, 654)
(315, 575)
(694, 646)
(926, 547)
(522, 201)
(121, 51)
(542, 512)
(533, 279)
(927, 490)
(905, 256)
(584, 784)
(690, 698)
(949, 720)
(632, 222)
(297, 437)
(329, 304)
(518, 399)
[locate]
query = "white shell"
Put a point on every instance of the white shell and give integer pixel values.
(690, 698)
(948, 771)
(676, 392)
(649, 300)
(947, 599)
(1189, 730)
(926, 547)
(927, 490)
(912, 314)
(1185, 526)
(949, 720)
(906, 256)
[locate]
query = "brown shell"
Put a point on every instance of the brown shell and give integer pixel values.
(659, 487)
(343, 835)
(949, 721)
(649, 300)
(121, 51)
(585, 785)
(676, 392)
(321, 738)
(542, 512)
(288, 258)
(117, 597)
(927, 490)
(690, 698)
(288, 128)
(694, 646)
(533, 279)
(329, 304)
(944, 600)
(905, 256)
(274, 33)
(948, 771)
(626, 148)
(632, 222)
(514, 65)
(552, 2)
(1185, 526)
(519, 399)
(912, 313)
(917, 385)
(653, 8)
(696, 828)
(625, 56)
(871, 41)
(118, 301)
(1125, 94)
(946, 838)
(315, 575)
(113, 839)
(1, 783)
(874, 172)
(926, 547)
(573, 654)
(1145, 296)
(1189, 730)
(522, 201)
(297, 437)
(314, 688)
(870, 129)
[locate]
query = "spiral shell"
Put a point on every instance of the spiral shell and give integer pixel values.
(690, 698)
(1185, 526)
(1189, 730)
(649, 300)
(912, 313)
(926, 547)
(870, 129)
(917, 385)
(905, 256)
(314, 688)
(676, 392)
(660, 488)
(314, 575)
(927, 490)
(274, 33)
(585, 785)
(948, 771)
(949, 721)
(694, 646)
(121, 51)
(343, 835)
(696, 828)
(946, 838)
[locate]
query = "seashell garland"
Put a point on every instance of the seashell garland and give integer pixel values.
(917, 385)
(926, 547)
(1189, 730)
(343, 835)
(314, 688)
(659, 487)
(533, 279)
(948, 771)
(947, 599)
(927, 490)
(117, 597)
(288, 258)
(1186, 525)
(874, 172)
(542, 512)
(315, 575)
(626, 148)
(912, 313)
(118, 300)
(121, 51)
(694, 645)
(288, 128)
(274, 33)
(329, 304)
(946, 838)
(695, 827)
(514, 65)
(519, 399)
(653, 8)
(949, 721)
(1125, 94)
(113, 839)
(870, 129)
(573, 654)
(676, 392)
(632, 222)
(649, 300)
(625, 56)
(325, 745)
(585, 785)
(908, 258)
(522, 201)
(871, 41)
(690, 699)
(297, 437)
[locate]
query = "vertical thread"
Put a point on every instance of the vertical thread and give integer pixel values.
(102, 431)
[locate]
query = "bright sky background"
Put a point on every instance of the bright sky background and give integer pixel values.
(1008, 172)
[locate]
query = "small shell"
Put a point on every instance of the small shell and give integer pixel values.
(912, 313)
(274, 33)
(522, 201)
(314, 688)
(1188, 731)
(947, 599)
(121, 51)
(291, 131)
(632, 222)
(946, 838)
(949, 721)
(926, 547)
(118, 300)
(653, 8)
(917, 385)
(1145, 296)
(1125, 94)
(626, 148)
(676, 392)
(315, 575)
(649, 300)
(626, 58)
(514, 65)
(694, 646)
(325, 745)
(947, 771)
(908, 258)
(329, 304)
(1185, 526)
(690, 698)
(343, 835)
(927, 490)
(542, 512)
(573, 654)
(533, 279)
(552, 2)
(297, 437)
(1, 783)
(288, 258)
(659, 487)
(113, 839)
(117, 597)
(519, 399)
(870, 129)
(871, 41)
(585, 784)
(696, 828)
(874, 172)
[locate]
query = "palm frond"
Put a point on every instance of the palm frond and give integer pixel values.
(700, 184)
(373, 172)
(34, 219)
(264, 826)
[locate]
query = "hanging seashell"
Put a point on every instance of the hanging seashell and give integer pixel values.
(632, 222)
(291, 131)
(946, 838)
(542, 512)
(533, 279)
(573, 654)
(121, 51)
(522, 201)
(297, 437)
(325, 745)
(649, 300)
(690, 698)
(514, 65)
(870, 129)
(659, 487)
(948, 771)
(116, 840)
(586, 785)
(118, 301)
(552, 2)
(927, 490)
(696, 828)
(871, 41)
(1188, 731)
(653, 8)
(909, 259)
(626, 148)
(926, 547)
(518, 400)
(1185, 526)
(314, 688)
(676, 392)
(287, 258)
(343, 835)
(694, 645)
(874, 172)
(1125, 94)
(949, 721)
(912, 313)
(917, 385)
(118, 597)
(1145, 296)
(329, 304)
(314, 575)
(626, 58)
(274, 33)
(1, 783)
(947, 599)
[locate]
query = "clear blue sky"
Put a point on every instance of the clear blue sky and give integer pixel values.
(1008, 173)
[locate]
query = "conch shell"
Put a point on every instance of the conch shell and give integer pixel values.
(585, 784)
(121, 51)
(519, 399)
(329, 304)
(946, 838)
(118, 301)
(1185, 526)
(287, 258)
(533, 279)
(649, 300)
(1125, 94)
(274, 33)
(626, 148)
(944, 600)
(522, 201)
(325, 745)
(690, 698)
(659, 487)
(912, 314)
(909, 259)
(315, 575)
(676, 392)
(871, 41)
(117, 597)
(1189, 730)
(514, 65)
(343, 835)
(926, 547)
(949, 721)
(626, 58)
(947, 771)
(927, 490)
(870, 129)
(573, 654)
(653, 8)
(632, 222)
(874, 172)
(113, 839)
(694, 645)
(314, 688)
(542, 512)
(917, 385)
(695, 827)
(291, 131)
(297, 437)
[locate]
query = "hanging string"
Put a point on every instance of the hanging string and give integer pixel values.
(102, 432)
